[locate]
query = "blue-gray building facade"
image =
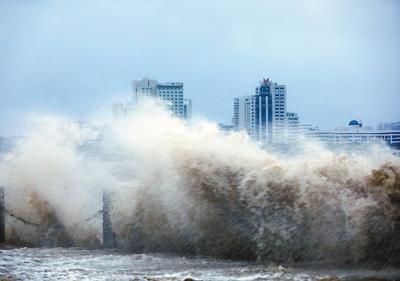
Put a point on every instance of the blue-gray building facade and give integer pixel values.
(263, 115)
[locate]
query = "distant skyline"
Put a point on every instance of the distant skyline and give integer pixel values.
(340, 60)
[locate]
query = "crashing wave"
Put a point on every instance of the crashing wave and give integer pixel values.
(188, 189)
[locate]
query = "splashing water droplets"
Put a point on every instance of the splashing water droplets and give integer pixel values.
(188, 189)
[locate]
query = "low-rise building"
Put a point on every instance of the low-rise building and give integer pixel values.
(392, 126)
(355, 133)
(226, 128)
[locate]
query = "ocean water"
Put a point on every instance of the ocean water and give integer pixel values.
(81, 264)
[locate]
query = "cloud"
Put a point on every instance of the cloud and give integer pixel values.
(334, 56)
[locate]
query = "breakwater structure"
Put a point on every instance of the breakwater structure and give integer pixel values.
(2, 217)
(53, 230)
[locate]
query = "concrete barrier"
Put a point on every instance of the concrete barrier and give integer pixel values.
(2, 217)
(108, 235)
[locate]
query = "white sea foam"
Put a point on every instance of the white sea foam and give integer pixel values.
(191, 189)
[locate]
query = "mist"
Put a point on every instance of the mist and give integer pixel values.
(189, 189)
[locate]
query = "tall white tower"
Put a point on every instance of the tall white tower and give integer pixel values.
(171, 93)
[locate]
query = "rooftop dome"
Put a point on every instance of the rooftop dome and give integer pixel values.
(354, 123)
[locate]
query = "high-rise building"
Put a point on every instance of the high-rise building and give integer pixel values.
(187, 109)
(263, 115)
(243, 114)
(170, 93)
(144, 88)
(270, 114)
(293, 126)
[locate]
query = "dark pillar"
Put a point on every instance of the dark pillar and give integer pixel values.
(108, 235)
(2, 217)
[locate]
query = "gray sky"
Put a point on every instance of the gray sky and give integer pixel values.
(339, 59)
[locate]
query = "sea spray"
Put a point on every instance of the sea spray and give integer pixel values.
(188, 189)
